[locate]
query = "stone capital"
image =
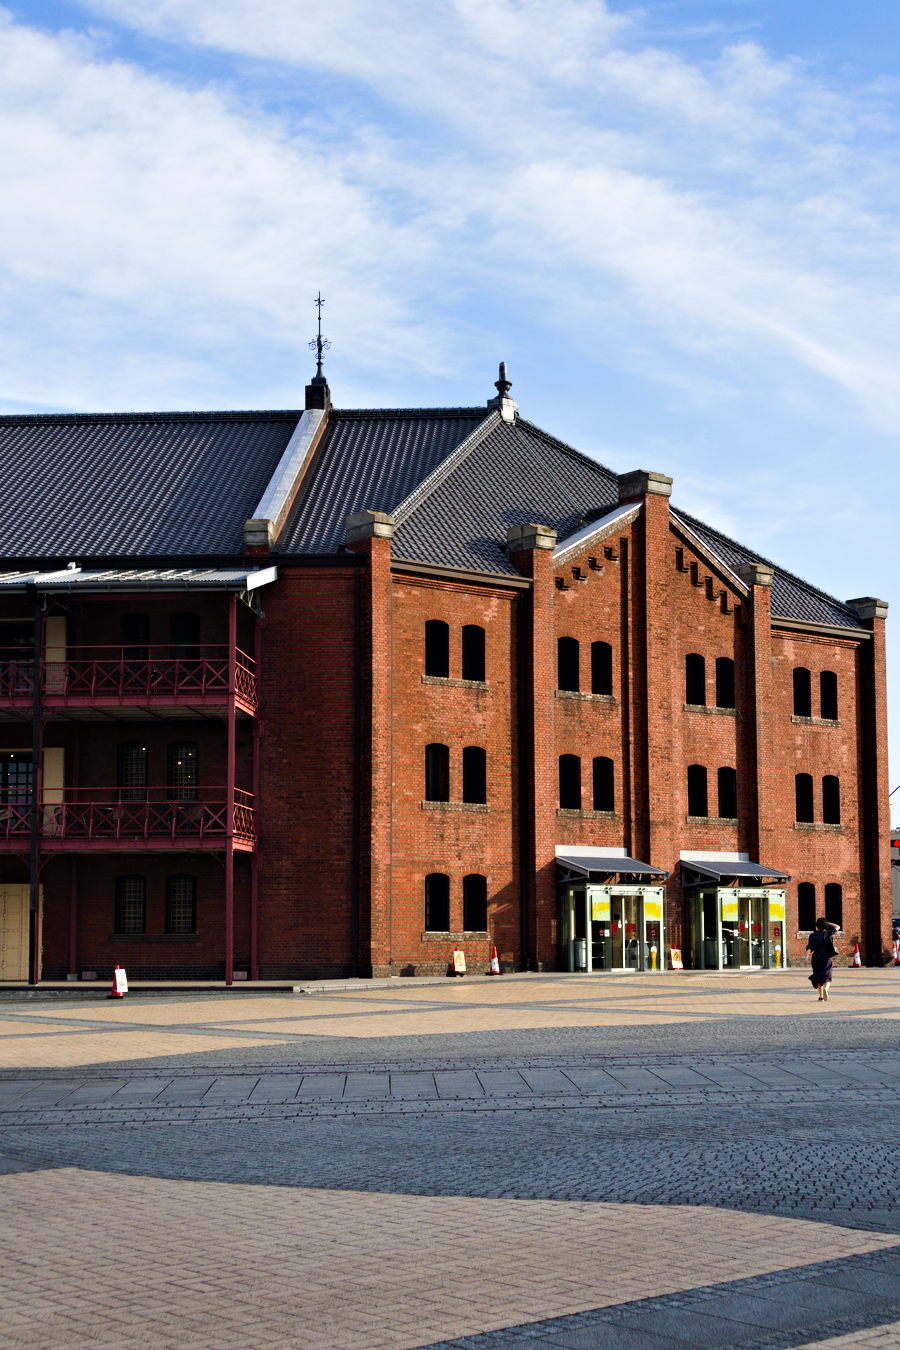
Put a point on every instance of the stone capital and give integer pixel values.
(643, 483)
(369, 525)
(259, 534)
(755, 573)
(524, 538)
(867, 607)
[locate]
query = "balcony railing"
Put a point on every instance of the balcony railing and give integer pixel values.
(88, 675)
(99, 816)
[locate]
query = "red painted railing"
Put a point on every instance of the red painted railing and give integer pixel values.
(148, 674)
(98, 815)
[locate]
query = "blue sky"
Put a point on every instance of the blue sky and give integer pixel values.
(676, 221)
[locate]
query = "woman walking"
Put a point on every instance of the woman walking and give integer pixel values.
(821, 952)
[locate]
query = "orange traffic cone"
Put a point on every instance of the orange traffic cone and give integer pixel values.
(857, 959)
(119, 984)
(495, 962)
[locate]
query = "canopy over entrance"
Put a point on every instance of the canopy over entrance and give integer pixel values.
(576, 866)
(697, 871)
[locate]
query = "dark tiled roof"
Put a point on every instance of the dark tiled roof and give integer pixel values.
(514, 474)
(791, 597)
(370, 461)
(135, 484)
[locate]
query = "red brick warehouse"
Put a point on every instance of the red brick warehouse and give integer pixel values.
(329, 692)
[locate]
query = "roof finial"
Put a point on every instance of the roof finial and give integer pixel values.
(319, 344)
(503, 404)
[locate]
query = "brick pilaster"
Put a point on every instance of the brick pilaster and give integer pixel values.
(655, 728)
(530, 548)
(370, 533)
(874, 785)
(758, 795)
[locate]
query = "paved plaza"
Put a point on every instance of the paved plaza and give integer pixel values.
(532, 1162)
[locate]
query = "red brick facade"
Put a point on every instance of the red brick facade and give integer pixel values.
(334, 756)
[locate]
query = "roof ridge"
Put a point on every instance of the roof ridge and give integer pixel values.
(98, 419)
(446, 467)
(383, 414)
(758, 557)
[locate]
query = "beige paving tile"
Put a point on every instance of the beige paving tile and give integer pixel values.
(334, 1269)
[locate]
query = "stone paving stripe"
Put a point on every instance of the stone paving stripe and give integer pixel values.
(322, 1085)
(412, 1085)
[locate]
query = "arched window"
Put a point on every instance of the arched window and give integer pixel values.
(472, 652)
(695, 679)
(803, 795)
(437, 903)
(727, 792)
(567, 675)
(604, 785)
(182, 771)
(132, 771)
(601, 668)
(181, 904)
(806, 906)
(802, 692)
(475, 903)
(724, 682)
(698, 800)
(437, 773)
(437, 648)
(570, 782)
(831, 799)
(474, 772)
(834, 903)
(186, 637)
(828, 695)
(131, 904)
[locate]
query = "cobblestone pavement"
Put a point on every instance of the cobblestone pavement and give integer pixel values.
(633, 1164)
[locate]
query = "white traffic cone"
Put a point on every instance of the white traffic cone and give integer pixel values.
(897, 952)
(495, 962)
(119, 984)
(857, 959)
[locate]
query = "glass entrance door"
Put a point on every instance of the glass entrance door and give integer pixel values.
(733, 929)
(611, 928)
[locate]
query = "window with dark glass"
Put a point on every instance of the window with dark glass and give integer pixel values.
(698, 798)
(181, 904)
(182, 771)
(135, 632)
(473, 667)
(803, 794)
(131, 904)
(834, 903)
(567, 663)
(570, 782)
(474, 768)
(831, 799)
(828, 695)
(724, 682)
(15, 777)
(475, 903)
(695, 679)
(727, 793)
(437, 903)
(186, 637)
(802, 692)
(604, 784)
(16, 658)
(437, 648)
(132, 771)
(806, 906)
(601, 668)
(437, 773)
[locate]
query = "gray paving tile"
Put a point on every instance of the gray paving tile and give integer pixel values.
(683, 1326)
(322, 1085)
(413, 1085)
(601, 1336)
(458, 1083)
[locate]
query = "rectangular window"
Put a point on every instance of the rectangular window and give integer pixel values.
(131, 904)
(181, 904)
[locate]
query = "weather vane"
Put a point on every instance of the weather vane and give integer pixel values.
(318, 343)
